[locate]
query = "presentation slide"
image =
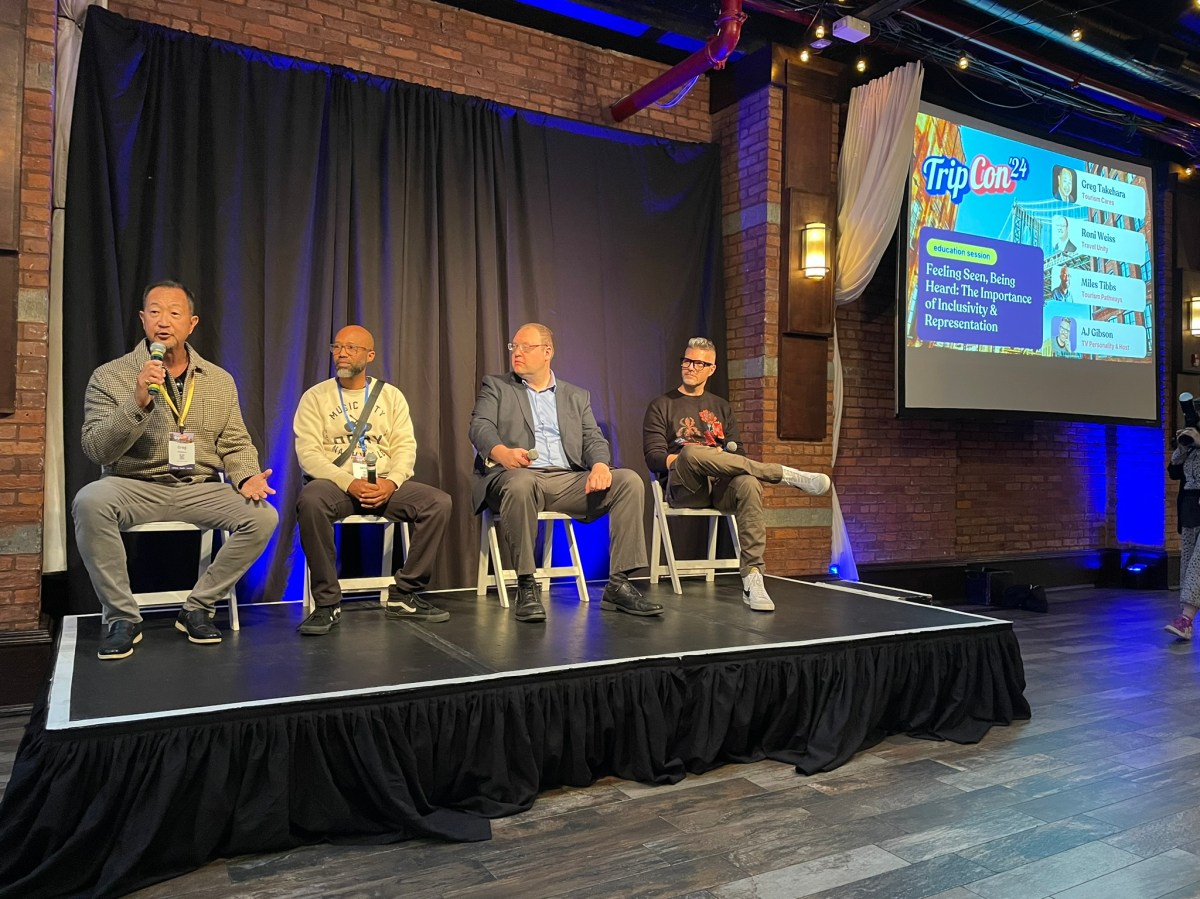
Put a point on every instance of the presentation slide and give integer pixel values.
(1029, 279)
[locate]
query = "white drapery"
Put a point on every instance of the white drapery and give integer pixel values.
(872, 169)
(71, 15)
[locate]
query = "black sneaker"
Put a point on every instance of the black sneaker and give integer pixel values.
(412, 607)
(321, 621)
(197, 625)
(529, 606)
(118, 642)
(622, 596)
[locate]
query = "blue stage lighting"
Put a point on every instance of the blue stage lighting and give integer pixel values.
(591, 16)
(834, 569)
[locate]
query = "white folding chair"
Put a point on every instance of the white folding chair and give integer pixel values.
(176, 597)
(366, 584)
(661, 538)
(489, 551)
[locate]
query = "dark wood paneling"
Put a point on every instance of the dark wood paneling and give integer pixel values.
(803, 369)
(8, 332)
(12, 80)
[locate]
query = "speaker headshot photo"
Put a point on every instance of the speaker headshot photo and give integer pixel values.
(1064, 183)
(1063, 329)
(1062, 290)
(1062, 235)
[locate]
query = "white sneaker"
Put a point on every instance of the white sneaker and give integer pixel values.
(809, 482)
(754, 592)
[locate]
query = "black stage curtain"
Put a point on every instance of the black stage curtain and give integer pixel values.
(295, 198)
(103, 813)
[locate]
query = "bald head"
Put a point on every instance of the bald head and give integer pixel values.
(353, 348)
(356, 335)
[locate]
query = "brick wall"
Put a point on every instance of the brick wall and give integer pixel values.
(425, 43)
(23, 434)
(750, 134)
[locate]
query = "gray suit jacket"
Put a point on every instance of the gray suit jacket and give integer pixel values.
(502, 415)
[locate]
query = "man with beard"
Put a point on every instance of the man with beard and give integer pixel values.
(357, 467)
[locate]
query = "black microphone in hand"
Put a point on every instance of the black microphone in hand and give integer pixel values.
(157, 351)
(371, 460)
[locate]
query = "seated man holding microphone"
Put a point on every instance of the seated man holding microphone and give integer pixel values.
(355, 444)
(163, 423)
(539, 448)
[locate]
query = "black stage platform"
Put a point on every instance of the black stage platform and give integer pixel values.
(138, 770)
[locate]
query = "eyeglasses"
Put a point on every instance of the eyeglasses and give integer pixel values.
(336, 348)
(525, 347)
(695, 363)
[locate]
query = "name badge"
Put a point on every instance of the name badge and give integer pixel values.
(181, 451)
(358, 466)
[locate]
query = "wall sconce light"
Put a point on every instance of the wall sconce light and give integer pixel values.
(814, 254)
(1193, 316)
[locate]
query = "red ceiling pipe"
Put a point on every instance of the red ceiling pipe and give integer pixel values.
(711, 56)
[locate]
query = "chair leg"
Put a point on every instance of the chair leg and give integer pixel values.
(498, 565)
(576, 562)
(389, 536)
(655, 548)
(669, 550)
(206, 551)
(547, 554)
(733, 532)
(482, 581)
(710, 573)
(234, 623)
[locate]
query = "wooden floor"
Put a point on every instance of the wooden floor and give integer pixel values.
(1097, 796)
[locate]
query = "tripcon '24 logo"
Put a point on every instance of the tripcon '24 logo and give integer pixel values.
(946, 175)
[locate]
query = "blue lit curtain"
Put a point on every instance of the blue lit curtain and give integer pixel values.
(295, 198)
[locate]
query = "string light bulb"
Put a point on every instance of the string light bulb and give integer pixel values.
(805, 55)
(860, 64)
(819, 30)
(1076, 34)
(964, 62)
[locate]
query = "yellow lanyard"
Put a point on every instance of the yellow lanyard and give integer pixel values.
(187, 403)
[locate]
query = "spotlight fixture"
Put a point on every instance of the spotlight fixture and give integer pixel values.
(820, 43)
(964, 62)
(860, 65)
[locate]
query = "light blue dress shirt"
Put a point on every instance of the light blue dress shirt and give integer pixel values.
(547, 439)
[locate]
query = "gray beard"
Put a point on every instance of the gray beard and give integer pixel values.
(348, 371)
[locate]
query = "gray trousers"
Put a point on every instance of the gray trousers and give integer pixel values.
(102, 508)
(519, 494)
(706, 476)
(322, 503)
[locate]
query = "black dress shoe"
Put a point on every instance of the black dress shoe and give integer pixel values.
(197, 626)
(528, 607)
(118, 642)
(622, 596)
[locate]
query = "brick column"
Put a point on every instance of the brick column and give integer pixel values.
(23, 434)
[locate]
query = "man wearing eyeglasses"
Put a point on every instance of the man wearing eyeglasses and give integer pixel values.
(690, 440)
(539, 449)
(358, 467)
